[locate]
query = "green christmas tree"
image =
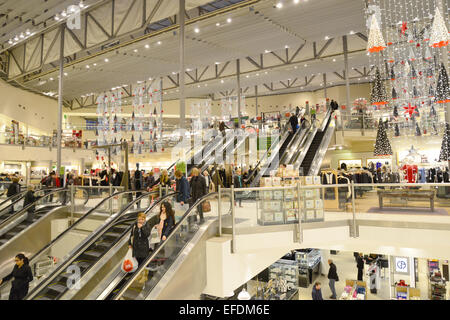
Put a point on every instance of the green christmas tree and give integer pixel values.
(445, 148)
(382, 145)
(442, 88)
(378, 95)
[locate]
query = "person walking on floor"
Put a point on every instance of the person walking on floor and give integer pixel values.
(138, 241)
(360, 266)
(198, 190)
(22, 277)
(332, 277)
(317, 291)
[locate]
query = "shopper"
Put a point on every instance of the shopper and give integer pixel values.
(22, 277)
(293, 120)
(297, 111)
(313, 115)
(13, 189)
(164, 181)
(237, 182)
(198, 190)
(29, 199)
(182, 188)
(360, 266)
(166, 220)
(222, 128)
(332, 277)
(216, 179)
(208, 181)
(138, 241)
(150, 181)
(138, 184)
(317, 291)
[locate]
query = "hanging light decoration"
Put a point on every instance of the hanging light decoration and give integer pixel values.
(375, 42)
(439, 33)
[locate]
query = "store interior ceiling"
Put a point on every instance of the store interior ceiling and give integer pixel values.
(296, 44)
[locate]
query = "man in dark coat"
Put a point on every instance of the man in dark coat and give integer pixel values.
(13, 189)
(317, 291)
(332, 277)
(360, 266)
(198, 190)
(293, 120)
(29, 199)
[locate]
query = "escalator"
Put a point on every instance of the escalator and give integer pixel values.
(315, 147)
(153, 273)
(91, 254)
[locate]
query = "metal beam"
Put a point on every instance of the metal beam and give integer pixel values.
(325, 46)
(362, 36)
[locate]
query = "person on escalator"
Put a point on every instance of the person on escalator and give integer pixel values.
(165, 181)
(29, 199)
(182, 187)
(138, 184)
(150, 181)
(138, 241)
(198, 190)
(166, 220)
(222, 128)
(22, 277)
(13, 189)
(237, 182)
(293, 120)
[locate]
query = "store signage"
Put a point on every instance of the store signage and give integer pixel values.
(401, 265)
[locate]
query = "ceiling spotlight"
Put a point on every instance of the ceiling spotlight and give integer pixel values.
(95, 64)
(10, 41)
(334, 60)
(196, 30)
(305, 65)
(64, 14)
(221, 81)
(51, 79)
(65, 73)
(229, 20)
(217, 63)
(106, 60)
(218, 24)
(286, 47)
(159, 42)
(57, 18)
(327, 37)
(247, 76)
(81, 4)
(295, 67)
(27, 32)
(198, 86)
(266, 51)
(147, 46)
(188, 69)
(16, 38)
(296, 1)
(265, 72)
(279, 5)
(87, 67)
(174, 73)
(257, 74)
(352, 32)
(135, 50)
(150, 79)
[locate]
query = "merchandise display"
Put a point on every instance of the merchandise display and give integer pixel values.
(354, 290)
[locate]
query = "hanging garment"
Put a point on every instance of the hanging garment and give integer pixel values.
(410, 172)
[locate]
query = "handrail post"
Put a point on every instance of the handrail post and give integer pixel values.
(233, 231)
(219, 206)
(300, 231)
(72, 202)
(353, 209)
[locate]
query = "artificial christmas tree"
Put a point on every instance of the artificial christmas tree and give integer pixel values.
(442, 88)
(439, 33)
(378, 96)
(445, 147)
(382, 145)
(375, 43)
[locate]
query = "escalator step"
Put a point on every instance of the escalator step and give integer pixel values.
(83, 264)
(57, 287)
(3, 241)
(93, 253)
(112, 234)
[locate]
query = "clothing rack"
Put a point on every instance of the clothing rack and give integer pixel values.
(330, 196)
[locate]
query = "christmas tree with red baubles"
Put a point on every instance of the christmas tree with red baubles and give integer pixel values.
(445, 148)
(378, 95)
(442, 90)
(382, 145)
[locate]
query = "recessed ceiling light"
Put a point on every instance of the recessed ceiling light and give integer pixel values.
(334, 60)
(150, 79)
(198, 86)
(159, 42)
(65, 73)
(327, 37)
(217, 24)
(94, 64)
(229, 20)
(188, 70)
(51, 79)
(266, 51)
(247, 76)
(196, 30)
(265, 72)
(221, 81)
(217, 62)
(305, 65)
(147, 46)
(174, 73)
(106, 60)
(206, 84)
(286, 47)
(87, 67)
(296, 1)
(295, 67)
(257, 74)
(279, 5)
(135, 50)
(352, 32)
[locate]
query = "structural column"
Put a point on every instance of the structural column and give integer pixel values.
(238, 78)
(444, 56)
(181, 16)
(325, 85)
(256, 99)
(347, 76)
(60, 101)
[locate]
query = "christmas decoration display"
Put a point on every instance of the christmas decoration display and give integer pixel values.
(439, 33)
(444, 155)
(382, 145)
(442, 86)
(378, 94)
(375, 42)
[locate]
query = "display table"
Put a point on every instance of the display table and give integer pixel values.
(406, 194)
(354, 290)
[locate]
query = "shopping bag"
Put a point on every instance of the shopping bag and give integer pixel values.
(129, 264)
(206, 206)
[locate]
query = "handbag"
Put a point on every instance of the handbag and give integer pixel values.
(206, 206)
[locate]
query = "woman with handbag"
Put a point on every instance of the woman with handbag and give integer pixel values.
(138, 241)
(166, 220)
(198, 190)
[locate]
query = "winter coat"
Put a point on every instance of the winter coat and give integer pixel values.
(293, 120)
(13, 189)
(332, 273)
(139, 240)
(359, 262)
(198, 188)
(150, 182)
(182, 187)
(22, 277)
(29, 199)
(169, 223)
(238, 183)
(316, 294)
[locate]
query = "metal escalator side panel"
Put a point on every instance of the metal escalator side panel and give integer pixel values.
(322, 150)
(305, 150)
(295, 149)
(162, 258)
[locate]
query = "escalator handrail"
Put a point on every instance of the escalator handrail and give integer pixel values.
(25, 209)
(15, 201)
(17, 195)
(160, 247)
(82, 246)
(303, 139)
(37, 255)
